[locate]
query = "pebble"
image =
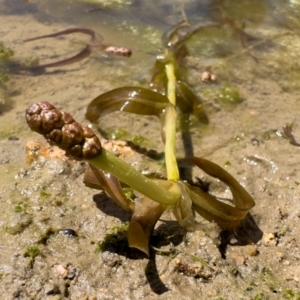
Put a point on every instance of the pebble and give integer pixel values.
(269, 238)
(280, 255)
(69, 232)
(62, 271)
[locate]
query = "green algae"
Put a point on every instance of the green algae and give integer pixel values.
(229, 94)
(32, 252)
(291, 295)
(129, 193)
(259, 296)
(115, 238)
(5, 52)
(20, 207)
(18, 224)
(44, 195)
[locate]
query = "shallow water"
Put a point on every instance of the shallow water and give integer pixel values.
(40, 200)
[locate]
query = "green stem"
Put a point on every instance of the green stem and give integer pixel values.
(108, 162)
(170, 71)
(170, 125)
(170, 117)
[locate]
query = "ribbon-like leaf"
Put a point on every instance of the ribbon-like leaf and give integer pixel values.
(146, 214)
(189, 102)
(209, 207)
(97, 179)
(129, 99)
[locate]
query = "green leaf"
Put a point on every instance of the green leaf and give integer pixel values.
(97, 179)
(146, 214)
(189, 102)
(210, 208)
(129, 99)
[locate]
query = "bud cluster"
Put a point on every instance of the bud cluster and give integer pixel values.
(60, 129)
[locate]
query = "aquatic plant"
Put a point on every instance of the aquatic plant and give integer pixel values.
(109, 171)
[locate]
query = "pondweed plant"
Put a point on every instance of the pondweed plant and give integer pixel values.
(107, 170)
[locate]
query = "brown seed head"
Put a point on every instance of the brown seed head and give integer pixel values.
(61, 129)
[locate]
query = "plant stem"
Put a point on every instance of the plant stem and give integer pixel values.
(170, 117)
(170, 71)
(169, 194)
(170, 124)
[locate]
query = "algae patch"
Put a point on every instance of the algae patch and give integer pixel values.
(116, 238)
(19, 223)
(32, 252)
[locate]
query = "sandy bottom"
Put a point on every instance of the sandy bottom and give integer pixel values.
(51, 225)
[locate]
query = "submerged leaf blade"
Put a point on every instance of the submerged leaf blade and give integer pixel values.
(190, 103)
(129, 99)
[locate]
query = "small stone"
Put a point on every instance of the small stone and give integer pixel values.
(205, 76)
(62, 271)
(241, 260)
(69, 232)
(163, 277)
(72, 272)
(268, 238)
(280, 255)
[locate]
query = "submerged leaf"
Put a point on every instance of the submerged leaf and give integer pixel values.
(129, 99)
(176, 38)
(209, 207)
(189, 102)
(159, 79)
(146, 214)
(171, 36)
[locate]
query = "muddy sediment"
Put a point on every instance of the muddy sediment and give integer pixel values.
(51, 225)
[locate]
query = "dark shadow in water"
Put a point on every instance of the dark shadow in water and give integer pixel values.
(16, 68)
(248, 232)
